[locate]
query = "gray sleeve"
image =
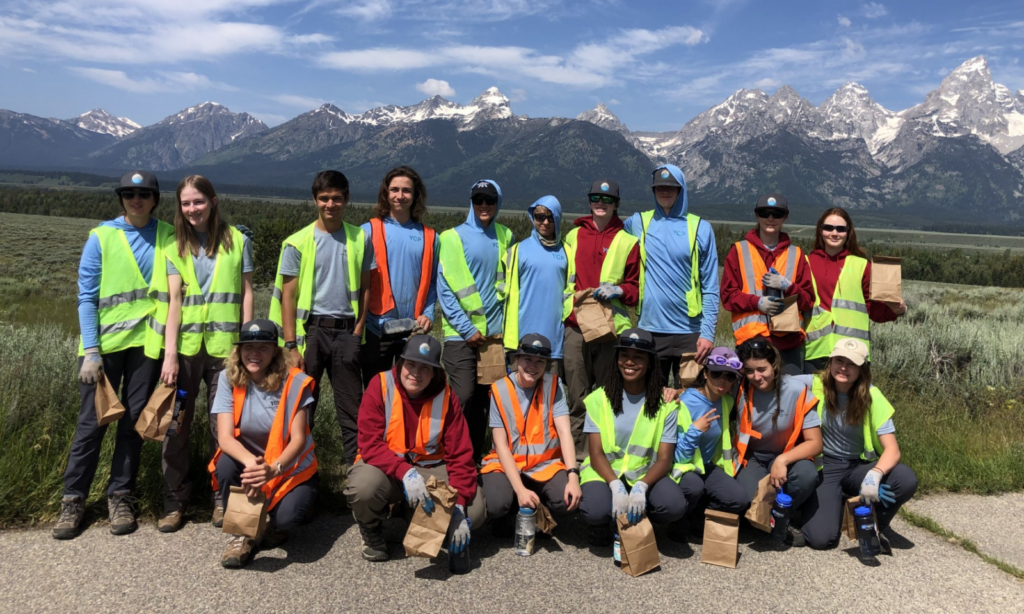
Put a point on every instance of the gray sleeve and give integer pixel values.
(368, 260)
(171, 269)
(811, 419)
(291, 260)
(495, 420)
(887, 428)
(806, 380)
(589, 426)
(247, 265)
(223, 401)
(670, 434)
(561, 408)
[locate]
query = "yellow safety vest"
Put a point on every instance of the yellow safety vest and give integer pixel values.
(613, 270)
(510, 327)
(694, 307)
(725, 454)
(633, 463)
(456, 272)
(848, 317)
(879, 413)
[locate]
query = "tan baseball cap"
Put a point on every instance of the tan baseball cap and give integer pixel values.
(854, 350)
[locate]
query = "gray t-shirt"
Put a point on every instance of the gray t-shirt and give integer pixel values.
(258, 411)
(632, 406)
(561, 408)
(774, 437)
(843, 440)
(204, 264)
(330, 279)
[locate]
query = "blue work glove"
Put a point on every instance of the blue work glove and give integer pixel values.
(773, 279)
(637, 502)
(620, 498)
(885, 495)
(416, 491)
(606, 292)
(460, 536)
(770, 305)
(869, 486)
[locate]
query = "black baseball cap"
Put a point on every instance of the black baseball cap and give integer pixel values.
(662, 176)
(143, 180)
(533, 344)
(636, 339)
(258, 331)
(604, 187)
(423, 349)
(772, 201)
(484, 187)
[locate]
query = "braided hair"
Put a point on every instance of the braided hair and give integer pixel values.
(652, 394)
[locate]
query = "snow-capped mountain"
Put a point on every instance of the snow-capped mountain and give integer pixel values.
(851, 113)
(602, 116)
(100, 121)
(489, 105)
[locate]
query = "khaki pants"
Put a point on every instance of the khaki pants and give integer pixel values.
(587, 366)
(370, 492)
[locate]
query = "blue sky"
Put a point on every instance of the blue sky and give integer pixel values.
(656, 64)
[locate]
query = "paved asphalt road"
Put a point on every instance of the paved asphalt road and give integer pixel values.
(992, 523)
(320, 570)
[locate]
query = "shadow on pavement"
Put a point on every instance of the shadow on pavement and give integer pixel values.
(897, 541)
(307, 544)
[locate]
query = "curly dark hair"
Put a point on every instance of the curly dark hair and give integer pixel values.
(419, 193)
(760, 348)
(655, 383)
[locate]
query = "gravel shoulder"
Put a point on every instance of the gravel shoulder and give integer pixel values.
(993, 523)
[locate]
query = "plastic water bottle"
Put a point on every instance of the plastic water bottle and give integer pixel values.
(617, 551)
(773, 291)
(178, 416)
(459, 563)
(780, 516)
(526, 531)
(867, 535)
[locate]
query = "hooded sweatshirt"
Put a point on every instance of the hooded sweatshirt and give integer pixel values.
(826, 270)
(542, 281)
(480, 245)
(667, 273)
(591, 248)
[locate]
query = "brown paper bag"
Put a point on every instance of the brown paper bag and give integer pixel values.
(545, 521)
(245, 515)
(760, 512)
(689, 369)
(886, 279)
(490, 367)
(594, 318)
(426, 533)
(721, 538)
(156, 415)
(789, 321)
(108, 406)
(639, 552)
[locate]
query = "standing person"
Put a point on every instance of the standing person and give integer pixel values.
(861, 455)
(115, 316)
(533, 460)
(319, 301)
(264, 440)
(678, 273)
(403, 269)
(779, 429)
(842, 280)
(632, 433)
(605, 257)
(412, 428)
(209, 294)
(471, 290)
(751, 291)
(539, 278)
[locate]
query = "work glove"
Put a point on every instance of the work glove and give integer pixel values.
(245, 230)
(885, 495)
(607, 292)
(637, 502)
(620, 498)
(416, 491)
(773, 279)
(394, 329)
(89, 373)
(770, 305)
(869, 487)
(460, 536)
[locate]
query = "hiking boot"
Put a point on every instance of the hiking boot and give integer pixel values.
(796, 537)
(600, 536)
(218, 516)
(272, 538)
(237, 552)
(171, 521)
(374, 547)
(121, 507)
(72, 510)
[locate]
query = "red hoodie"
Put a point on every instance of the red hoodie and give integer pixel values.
(591, 247)
(458, 449)
(734, 299)
(826, 271)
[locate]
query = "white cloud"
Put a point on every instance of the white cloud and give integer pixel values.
(28, 70)
(767, 83)
(614, 101)
(367, 10)
(844, 21)
(159, 81)
(299, 102)
(874, 10)
(270, 119)
(517, 95)
(436, 87)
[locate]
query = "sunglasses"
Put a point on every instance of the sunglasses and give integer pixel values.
(768, 213)
(258, 336)
(143, 194)
(728, 375)
(535, 351)
(540, 218)
(831, 228)
(601, 198)
(480, 199)
(722, 361)
(640, 344)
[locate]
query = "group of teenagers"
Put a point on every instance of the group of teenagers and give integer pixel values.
(604, 427)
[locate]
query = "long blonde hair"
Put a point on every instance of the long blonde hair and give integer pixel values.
(238, 376)
(858, 399)
(219, 232)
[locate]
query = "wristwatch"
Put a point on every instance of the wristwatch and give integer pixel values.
(280, 471)
(573, 470)
(291, 345)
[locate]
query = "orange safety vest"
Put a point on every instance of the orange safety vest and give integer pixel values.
(428, 448)
(381, 298)
(305, 464)
(803, 401)
(534, 446)
(749, 324)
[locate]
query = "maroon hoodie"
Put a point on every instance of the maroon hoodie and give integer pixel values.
(591, 247)
(826, 270)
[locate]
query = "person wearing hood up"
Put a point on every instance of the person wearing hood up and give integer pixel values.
(678, 273)
(540, 275)
(471, 289)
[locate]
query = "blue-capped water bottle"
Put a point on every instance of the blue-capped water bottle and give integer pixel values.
(780, 516)
(178, 415)
(867, 534)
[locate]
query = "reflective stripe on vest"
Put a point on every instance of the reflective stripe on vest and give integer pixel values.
(613, 269)
(455, 269)
(878, 414)
(796, 396)
(694, 307)
(848, 316)
(532, 438)
(749, 324)
(382, 300)
(641, 452)
(428, 448)
(510, 326)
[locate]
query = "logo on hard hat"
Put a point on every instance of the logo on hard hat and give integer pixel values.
(536, 343)
(772, 202)
(424, 349)
(605, 187)
(634, 336)
(664, 173)
(255, 328)
(136, 178)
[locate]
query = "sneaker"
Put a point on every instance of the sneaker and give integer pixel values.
(237, 552)
(374, 547)
(272, 538)
(796, 538)
(218, 516)
(121, 508)
(171, 521)
(600, 536)
(883, 543)
(72, 510)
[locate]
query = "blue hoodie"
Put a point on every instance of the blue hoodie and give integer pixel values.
(542, 277)
(667, 272)
(480, 245)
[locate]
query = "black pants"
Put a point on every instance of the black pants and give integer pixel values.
(669, 349)
(792, 360)
(133, 375)
(336, 352)
(714, 489)
(501, 499)
(801, 477)
(665, 502)
(378, 355)
(293, 509)
(460, 362)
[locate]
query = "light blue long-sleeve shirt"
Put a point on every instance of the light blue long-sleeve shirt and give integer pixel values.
(698, 404)
(90, 268)
(480, 244)
(405, 255)
(668, 269)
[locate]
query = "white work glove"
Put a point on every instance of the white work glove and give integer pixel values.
(770, 305)
(775, 280)
(89, 373)
(607, 292)
(637, 502)
(869, 487)
(416, 491)
(460, 536)
(620, 498)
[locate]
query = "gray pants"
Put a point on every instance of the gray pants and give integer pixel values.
(500, 497)
(460, 362)
(370, 492)
(336, 352)
(841, 479)
(133, 375)
(665, 502)
(192, 370)
(292, 510)
(801, 478)
(715, 489)
(587, 365)
(670, 348)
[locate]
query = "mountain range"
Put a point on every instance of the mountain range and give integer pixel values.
(958, 154)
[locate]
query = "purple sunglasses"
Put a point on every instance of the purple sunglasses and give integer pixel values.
(722, 361)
